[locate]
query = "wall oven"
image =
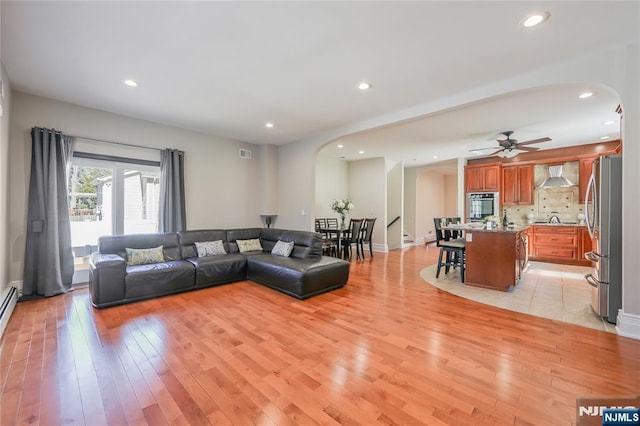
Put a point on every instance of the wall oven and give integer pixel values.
(482, 204)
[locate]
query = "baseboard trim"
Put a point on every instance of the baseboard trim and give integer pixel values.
(628, 325)
(7, 305)
(382, 248)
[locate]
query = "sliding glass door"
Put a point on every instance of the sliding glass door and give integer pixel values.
(109, 198)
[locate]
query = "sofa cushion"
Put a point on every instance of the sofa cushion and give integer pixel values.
(144, 256)
(118, 244)
(240, 234)
(301, 278)
(249, 245)
(220, 269)
(282, 248)
(210, 248)
(159, 278)
(189, 238)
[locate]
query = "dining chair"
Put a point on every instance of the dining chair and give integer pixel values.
(366, 235)
(332, 222)
(452, 250)
(352, 237)
(320, 224)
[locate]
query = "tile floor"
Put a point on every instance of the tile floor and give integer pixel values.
(546, 290)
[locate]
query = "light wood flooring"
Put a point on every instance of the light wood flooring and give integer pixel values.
(387, 348)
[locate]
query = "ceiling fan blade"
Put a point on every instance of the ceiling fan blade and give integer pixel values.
(498, 151)
(484, 149)
(535, 141)
(527, 148)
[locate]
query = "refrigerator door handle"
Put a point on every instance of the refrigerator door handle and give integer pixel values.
(591, 193)
(594, 257)
(591, 280)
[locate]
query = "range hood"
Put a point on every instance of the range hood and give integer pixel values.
(555, 179)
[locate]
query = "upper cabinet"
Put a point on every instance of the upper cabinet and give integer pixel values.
(482, 178)
(517, 185)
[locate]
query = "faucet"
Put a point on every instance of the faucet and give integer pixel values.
(554, 219)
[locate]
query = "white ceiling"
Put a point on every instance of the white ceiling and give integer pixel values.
(226, 68)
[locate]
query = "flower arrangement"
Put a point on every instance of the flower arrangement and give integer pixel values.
(493, 219)
(342, 207)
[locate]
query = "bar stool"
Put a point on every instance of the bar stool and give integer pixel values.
(452, 250)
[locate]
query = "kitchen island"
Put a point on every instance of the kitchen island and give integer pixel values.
(495, 258)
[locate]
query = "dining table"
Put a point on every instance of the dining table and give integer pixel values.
(339, 232)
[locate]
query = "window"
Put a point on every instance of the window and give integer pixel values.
(108, 198)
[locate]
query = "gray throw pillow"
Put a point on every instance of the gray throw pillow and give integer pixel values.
(144, 256)
(249, 245)
(282, 248)
(210, 248)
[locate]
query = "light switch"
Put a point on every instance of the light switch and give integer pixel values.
(469, 236)
(302, 212)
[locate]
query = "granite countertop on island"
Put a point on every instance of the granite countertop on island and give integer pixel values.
(497, 229)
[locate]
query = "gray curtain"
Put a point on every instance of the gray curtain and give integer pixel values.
(173, 216)
(48, 265)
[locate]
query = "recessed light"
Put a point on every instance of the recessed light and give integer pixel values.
(360, 152)
(269, 125)
(435, 156)
(131, 83)
(340, 146)
(535, 19)
(585, 95)
(604, 137)
(365, 85)
(608, 122)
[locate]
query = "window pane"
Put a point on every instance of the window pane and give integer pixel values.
(141, 200)
(90, 209)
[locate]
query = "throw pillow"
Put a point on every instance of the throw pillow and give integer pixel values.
(210, 248)
(282, 248)
(144, 256)
(249, 245)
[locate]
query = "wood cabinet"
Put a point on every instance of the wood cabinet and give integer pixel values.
(559, 244)
(485, 178)
(517, 185)
(583, 179)
(585, 245)
(494, 259)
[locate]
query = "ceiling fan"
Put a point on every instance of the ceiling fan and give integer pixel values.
(511, 147)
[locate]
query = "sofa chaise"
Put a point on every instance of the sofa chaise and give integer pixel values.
(129, 268)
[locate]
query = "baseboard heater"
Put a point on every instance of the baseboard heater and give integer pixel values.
(8, 303)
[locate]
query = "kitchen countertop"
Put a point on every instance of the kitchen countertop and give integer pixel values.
(496, 229)
(555, 224)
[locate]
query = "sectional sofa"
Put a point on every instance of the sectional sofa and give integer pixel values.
(129, 268)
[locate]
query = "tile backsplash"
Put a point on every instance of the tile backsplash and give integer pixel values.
(562, 202)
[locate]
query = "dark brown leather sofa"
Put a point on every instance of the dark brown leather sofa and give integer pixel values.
(303, 274)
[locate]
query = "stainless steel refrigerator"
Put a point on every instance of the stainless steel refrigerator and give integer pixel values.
(604, 220)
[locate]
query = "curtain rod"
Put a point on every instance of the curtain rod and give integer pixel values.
(114, 143)
(103, 141)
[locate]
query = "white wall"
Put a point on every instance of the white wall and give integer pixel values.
(451, 196)
(395, 195)
(4, 182)
(222, 190)
(428, 193)
(332, 182)
(269, 181)
(368, 190)
(430, 203)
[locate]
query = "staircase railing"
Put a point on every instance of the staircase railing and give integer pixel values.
(393, 221)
